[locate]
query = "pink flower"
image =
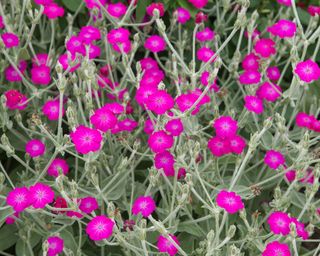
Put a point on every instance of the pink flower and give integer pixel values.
(276, 248)
(143, 94)
(41, 195)
(205, 54)
(35, 148)
(253, 104)
(290, 175)
(115, 108)
(201, 17)
(160, 102)
(174, 127)
(56, 245)
(205, 35)
(144, 205)
(314, 10)
(150, 80)
(91, 4)
(315, 125)
(155, 6)
(148, 64)
(273, 73)
(40, 75)
(22, 65)
(197, 93)
(283, 29)
(158, 73)
(148, 127)
(74, 214)
(219, 146)
(182, 173)
(308, 177)
(155, 44)
(160, 141)
(86, 139)
(225, 126)
(186, 101)
(269, 92)
(12, 218)
(250, 77)
(308, 71)
(117, 10)
(229, 201)
(198, 3)
(251, 62)
(119, 35)
(12, 75)
(66, 61)
(57, 167)
(205, 81)
(43, 2)
(183, 15)
(237, 144)
(166, 246)
(128, 225)
(89, 34)
(103, 119)
(124, 47)
(165, 160)
(279, 223)
(265, 47)
(15, 100)
(19, 199)
(1, 23)
(274, 159)
(60, 202)
(105, 70)
(255, 33)
(10, 40)
(100, 227)
(304, 120)
(88, 204)
(40, 59)
(300, 227)
(127, 125)
(51, 109)
(285, 2)
(53, 11)
(75, 45)
(94, 51)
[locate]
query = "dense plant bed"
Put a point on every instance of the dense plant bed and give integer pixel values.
(159, 127)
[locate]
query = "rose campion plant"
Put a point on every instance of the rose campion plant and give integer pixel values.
(134, 127)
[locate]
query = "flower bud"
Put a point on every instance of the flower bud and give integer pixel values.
(111, 210)
(277, 193)
(226, 5)
(161, 26)
(2, 179)
(231, 231)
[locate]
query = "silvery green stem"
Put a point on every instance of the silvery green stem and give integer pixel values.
(294, 8)
(163, 33)
(203, 68)
(6, 175)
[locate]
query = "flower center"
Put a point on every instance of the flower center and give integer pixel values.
(20, 198)
(40, 194)
(35, 147)
(100, 227)
(53, 246)
(143, 205)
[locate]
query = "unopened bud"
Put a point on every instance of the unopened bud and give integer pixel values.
(231, 231)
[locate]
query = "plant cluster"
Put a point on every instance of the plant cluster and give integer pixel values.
(141, 127)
